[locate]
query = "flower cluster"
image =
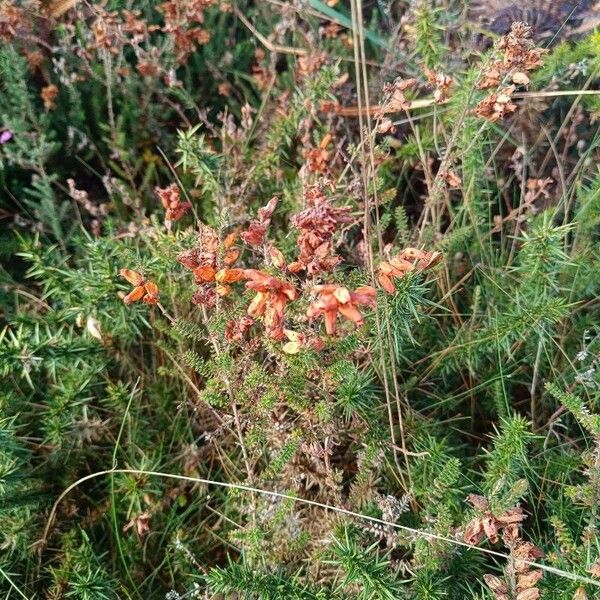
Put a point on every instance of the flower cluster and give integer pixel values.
(451, 178)
(317, 159)
(183, 20)
(112, 32)
(521, 579)
(235, 330)
(519, 55)
(498, 105)
(272, 296)
(396, 99)
(48, 94)
(487, 524)
(212, 263)
(317, 225)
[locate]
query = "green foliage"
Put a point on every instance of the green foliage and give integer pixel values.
(428, 34)
(82, 573)
(364, 568)
(355, 390)
(577, 407)
(479, 374)
(246, 582)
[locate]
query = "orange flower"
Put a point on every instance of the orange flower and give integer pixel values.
(230, 240)
(334, 298)
(204, 274)
(229, 275)
(205, 262)
(208, 274)
(147, 291)
(397, 268)
(226, 276)
(231, 254)
(410, 259)
(272, 296)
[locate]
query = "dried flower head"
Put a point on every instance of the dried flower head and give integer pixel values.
(310, 63)
(487, 524)
(441, 84)
(49, 94)
(497, 106)
(451, 178)
(183, 20)
(257, 230)
(317, 159)
(519, 52)
(140, 524)
(385, 125)
(210, 264)
(395, 98)
(594, 569)
(580, 594)
(518, 56)
(235, 330)
(171, 201)
(318, 224)
(276, 257)
(498, 587)
(490, 79)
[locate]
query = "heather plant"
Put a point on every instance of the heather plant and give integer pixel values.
(299, 300)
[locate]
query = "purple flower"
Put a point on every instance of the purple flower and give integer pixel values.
(5, 136)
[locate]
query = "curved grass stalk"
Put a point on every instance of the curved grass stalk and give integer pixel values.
(238, 486)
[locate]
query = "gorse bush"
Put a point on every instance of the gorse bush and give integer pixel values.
(299, 300)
